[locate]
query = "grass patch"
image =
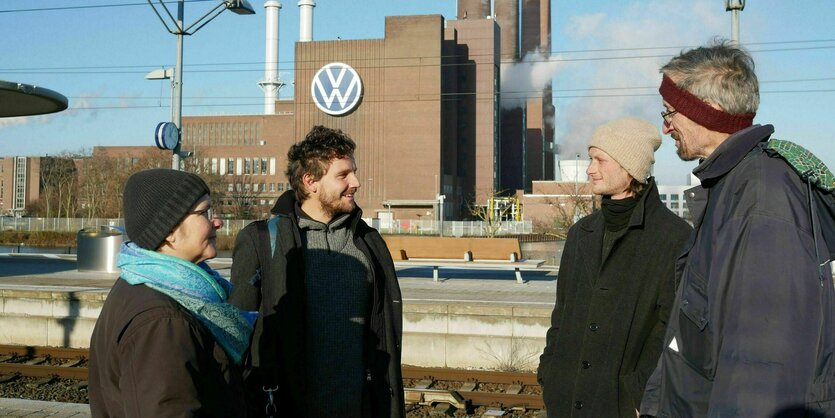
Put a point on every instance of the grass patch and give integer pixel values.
(68, 239)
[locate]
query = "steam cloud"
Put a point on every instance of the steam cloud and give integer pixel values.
(527, 78)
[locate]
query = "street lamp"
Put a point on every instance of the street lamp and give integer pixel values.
(164, 74)
(179, 29)
(734, 6)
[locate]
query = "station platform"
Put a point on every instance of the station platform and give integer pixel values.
(469, 319)
(32, 409)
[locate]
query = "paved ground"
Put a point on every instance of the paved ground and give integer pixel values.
(56, 273)
(33, 409)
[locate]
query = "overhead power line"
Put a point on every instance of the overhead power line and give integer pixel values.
(141, 69)
(258, 101)
(88, 6)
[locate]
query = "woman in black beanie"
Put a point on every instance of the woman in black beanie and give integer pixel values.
(166, 341)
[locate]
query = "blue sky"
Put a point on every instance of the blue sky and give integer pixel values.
(98, 57)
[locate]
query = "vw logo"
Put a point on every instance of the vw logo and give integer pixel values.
(336, 89)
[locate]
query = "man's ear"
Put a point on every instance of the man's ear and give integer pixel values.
(310, 184)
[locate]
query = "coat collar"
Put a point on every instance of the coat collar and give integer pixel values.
(728, 154)
(591, 238)
(650, 194)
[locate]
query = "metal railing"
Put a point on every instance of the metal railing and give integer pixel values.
(232, 226)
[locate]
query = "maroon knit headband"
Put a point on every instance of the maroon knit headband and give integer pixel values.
(700, 112)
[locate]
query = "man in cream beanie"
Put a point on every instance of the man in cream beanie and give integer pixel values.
(631, 142)
(616, 282)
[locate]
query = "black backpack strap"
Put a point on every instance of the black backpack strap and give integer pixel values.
(263, 385)
(264, 255)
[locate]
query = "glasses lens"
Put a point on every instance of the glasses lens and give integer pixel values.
(668, 116)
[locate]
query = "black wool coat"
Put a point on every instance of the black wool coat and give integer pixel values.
(278, 349)
(608, 324)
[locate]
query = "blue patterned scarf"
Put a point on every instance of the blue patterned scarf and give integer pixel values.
(197, 288)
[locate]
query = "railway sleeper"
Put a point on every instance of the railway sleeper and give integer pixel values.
(432, 397)
(9, 377)
(71, 363)
(442, 409)
(514, 389)
(40, 382)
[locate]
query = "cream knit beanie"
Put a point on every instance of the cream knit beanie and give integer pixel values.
(631, 142)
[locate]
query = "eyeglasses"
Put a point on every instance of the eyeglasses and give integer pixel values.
(209, 213)
(668, 117)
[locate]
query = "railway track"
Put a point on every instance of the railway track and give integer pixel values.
(435, 387)
(67, 363)
(464, 389)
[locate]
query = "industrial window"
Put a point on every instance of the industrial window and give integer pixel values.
(247, 161)
(272, 187)
(263, 166)
(674, 197)
(230, 166)
(280, 187)
(256, 166)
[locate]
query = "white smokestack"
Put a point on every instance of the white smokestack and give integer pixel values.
(272, 81)
(574, 170)
(306, 20)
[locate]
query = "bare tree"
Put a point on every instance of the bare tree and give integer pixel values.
(242, 199)
(492, 214)
(58, 183)
(565, 212)
(103, 180)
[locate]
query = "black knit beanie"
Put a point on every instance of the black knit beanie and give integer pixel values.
(155, 201)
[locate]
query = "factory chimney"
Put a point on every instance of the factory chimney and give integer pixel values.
(306, 20)
(272, 81)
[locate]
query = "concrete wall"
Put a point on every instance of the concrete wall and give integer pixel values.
(47, 318)
(434, 335)
(474, 336)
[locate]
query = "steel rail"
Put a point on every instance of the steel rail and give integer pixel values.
(33, 351)
(482, 376)
(28, 370)
(505, 400)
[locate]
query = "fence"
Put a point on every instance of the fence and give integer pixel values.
(232, 226)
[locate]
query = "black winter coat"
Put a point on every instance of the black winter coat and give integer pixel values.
(149, 357)
(752, 332)
(279, 340)
(609, 320)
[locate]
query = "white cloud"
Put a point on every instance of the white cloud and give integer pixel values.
(647, 24)
(584, 25)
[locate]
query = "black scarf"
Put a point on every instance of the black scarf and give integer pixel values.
(616, 213)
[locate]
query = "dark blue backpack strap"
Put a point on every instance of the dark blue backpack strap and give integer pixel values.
(272, 225)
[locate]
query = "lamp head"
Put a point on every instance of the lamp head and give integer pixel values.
(241, 7)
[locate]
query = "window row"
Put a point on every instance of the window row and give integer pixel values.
(257, 187)
(222, 133)
(240, 166)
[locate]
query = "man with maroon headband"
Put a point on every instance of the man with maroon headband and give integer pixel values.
(752, 332)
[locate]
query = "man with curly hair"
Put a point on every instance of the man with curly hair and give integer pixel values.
(329, 340)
